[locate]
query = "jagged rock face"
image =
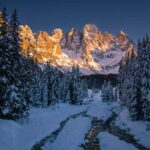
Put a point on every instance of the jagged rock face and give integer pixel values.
(122, 37)
(92, 38)
(108, 39)
(27, 38)
(41, 46)
(92, 50)
(72, 40)
(43, 42)
(57, 35)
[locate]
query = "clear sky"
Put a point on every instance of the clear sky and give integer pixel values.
(131, 16)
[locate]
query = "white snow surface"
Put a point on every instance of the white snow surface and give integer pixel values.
(41, 122)
(111, 142)
(139, 129)
(71, 136)
(101, 110)
(23, 134)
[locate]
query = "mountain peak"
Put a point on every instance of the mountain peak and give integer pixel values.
(90, 49)
(90, 28)
(57, 35)
(122, 33)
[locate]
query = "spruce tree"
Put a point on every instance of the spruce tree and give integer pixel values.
(16, 102)
(135, 84)
(52, 85)
(10, 93)
(44, 86)
(121, 82)
(5, 63)
(84, 88)
(75, 86)
(64, 87)
(145, 80)
(54, 95)
(107, 92)
(133, 101)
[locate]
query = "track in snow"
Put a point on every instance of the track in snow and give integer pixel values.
(52, 137)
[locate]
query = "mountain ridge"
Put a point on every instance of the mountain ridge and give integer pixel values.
(93, 51)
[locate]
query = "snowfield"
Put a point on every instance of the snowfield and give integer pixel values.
(41, 122)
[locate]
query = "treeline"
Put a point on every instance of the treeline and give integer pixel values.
(134, 81)
(23, 83)
(97, 80)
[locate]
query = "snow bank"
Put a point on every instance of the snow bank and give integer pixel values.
(139, 129)
(111, 142)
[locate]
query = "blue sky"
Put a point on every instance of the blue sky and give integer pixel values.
(131, 16)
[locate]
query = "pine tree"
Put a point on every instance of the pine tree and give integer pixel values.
(145, 80)
(17, 101)
(107, 92)
(51, 86)
(31, 77)
(84, 88)
(133, 101)
(5, 64)
(134, 81)
(75, 86)
(121, 82)
(44, 86)
(64, 87)
(54, 95)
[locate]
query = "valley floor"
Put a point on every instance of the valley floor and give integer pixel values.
(92, 126)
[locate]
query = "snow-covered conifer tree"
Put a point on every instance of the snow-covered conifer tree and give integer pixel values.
(5, 63)
(145, 80)
(75, 86)
(107, 92)
(84, 87)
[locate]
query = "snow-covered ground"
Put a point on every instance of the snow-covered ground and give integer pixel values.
(72, 136)
(25, 133)
(139, 129)
(102, 110)
(99, 109)
(110, 142)
(40, 123)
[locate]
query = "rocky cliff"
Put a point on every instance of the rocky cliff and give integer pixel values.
(93, 51)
